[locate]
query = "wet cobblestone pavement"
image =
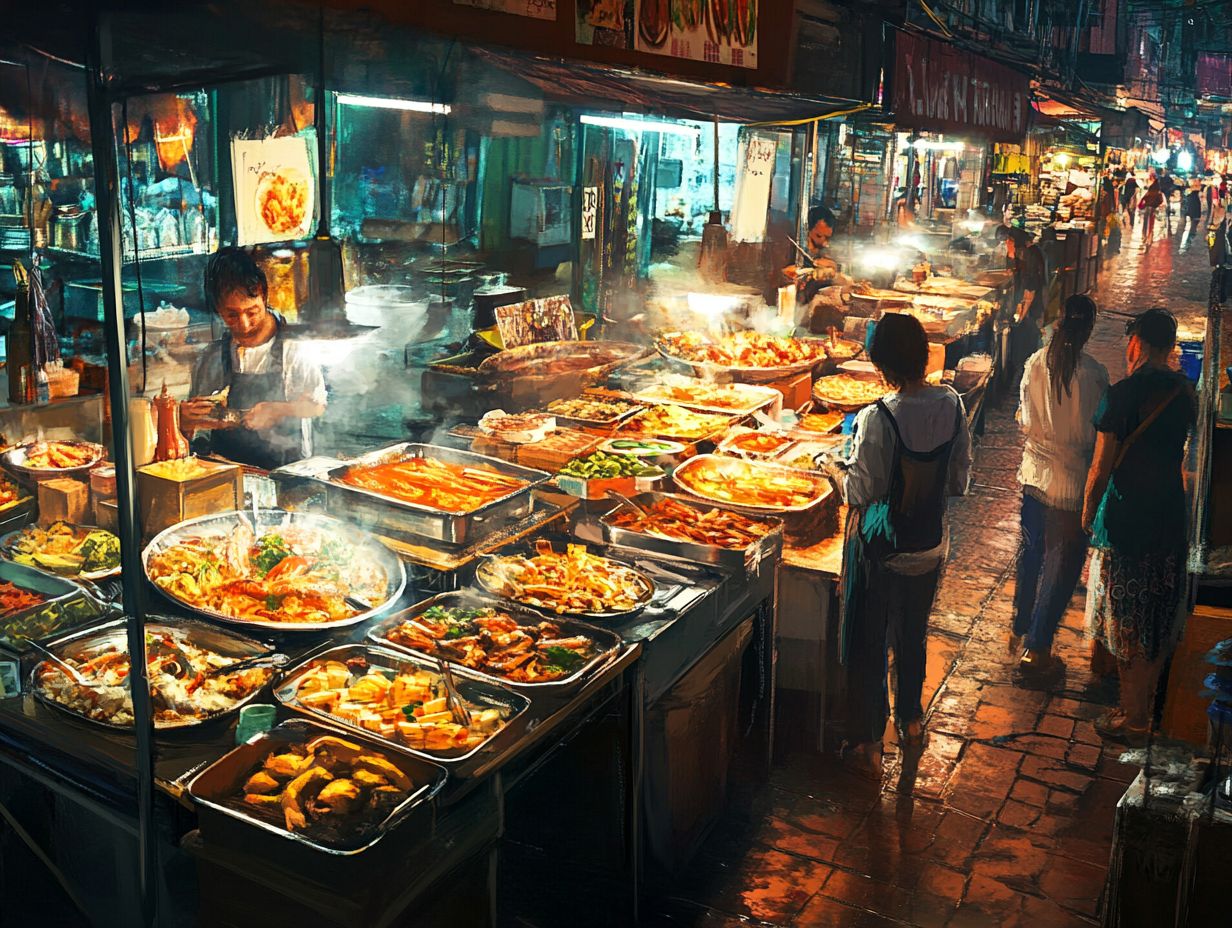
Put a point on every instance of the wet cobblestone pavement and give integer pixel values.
(1007, 818)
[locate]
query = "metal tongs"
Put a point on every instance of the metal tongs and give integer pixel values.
(624, 500)
(452, 699)
(64, 666)
(276, 660)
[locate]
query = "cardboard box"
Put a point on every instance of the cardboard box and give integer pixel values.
(165, 501)
(63, 498)
(796, 391)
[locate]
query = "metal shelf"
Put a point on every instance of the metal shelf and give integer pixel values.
(146, 254)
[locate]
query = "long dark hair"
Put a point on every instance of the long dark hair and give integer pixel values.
(1073, 330)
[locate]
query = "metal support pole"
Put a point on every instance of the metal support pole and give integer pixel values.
(107, 195)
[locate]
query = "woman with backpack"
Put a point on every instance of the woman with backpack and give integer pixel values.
(912, 451)
(1061, 389)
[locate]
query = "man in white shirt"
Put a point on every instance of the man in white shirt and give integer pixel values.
(270, 389)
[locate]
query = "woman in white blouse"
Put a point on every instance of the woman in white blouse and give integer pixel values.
(1060, 393)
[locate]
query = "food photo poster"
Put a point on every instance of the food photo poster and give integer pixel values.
(275, 189)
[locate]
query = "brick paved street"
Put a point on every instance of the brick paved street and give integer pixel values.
(1007, 820)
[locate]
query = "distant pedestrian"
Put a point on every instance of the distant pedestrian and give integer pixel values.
(1150, 202)
(1134, 507)
(1030, 299)
(912, 451)
(1191, 210)
(1167, 185)
(1061, 389)
(1129, 197)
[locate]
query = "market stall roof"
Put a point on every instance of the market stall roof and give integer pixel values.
(595, 86)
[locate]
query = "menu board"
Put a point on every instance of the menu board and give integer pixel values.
(275, 189)
(748, 216)
(534, 9)
(715, 31)
(549, 319)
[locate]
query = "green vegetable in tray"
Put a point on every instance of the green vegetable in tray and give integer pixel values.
(100, 551)
(563, 659)
(648, 445)
(603, 466)
(271, 549)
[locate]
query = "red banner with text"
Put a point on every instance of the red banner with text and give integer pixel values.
(940, 88)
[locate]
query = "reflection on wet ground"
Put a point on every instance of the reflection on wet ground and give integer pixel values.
(1005, 817)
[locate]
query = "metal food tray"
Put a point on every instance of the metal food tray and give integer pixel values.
(58, 591)
(714, 555)
(644, 600)
(9, 539)
(769, 396)
(607, 643)
(728, 445)
(749, 508)
(712, 437)
(265, 520)
(223, 814)
(219, 640)
(381, 511)
(15, 458)
(750, 375)
(613, 422)
(474, 688)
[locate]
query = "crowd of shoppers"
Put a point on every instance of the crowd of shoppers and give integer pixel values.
(1101, 471)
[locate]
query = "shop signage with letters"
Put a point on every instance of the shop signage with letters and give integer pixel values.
(940, 88)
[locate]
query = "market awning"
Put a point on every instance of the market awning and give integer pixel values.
(581, 84)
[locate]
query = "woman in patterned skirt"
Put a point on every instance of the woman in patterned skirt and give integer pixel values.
(1135, 509)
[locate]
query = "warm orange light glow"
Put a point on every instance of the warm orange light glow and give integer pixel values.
(175, 125)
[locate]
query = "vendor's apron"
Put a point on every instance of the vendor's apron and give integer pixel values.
(284, 444)
(911, 518)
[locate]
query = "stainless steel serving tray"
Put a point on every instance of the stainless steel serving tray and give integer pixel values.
(15, 459)
(609, 423)
(58, 593)
(474, 688)
(8, 542)
(381, 511)
(750, 375)
(734, 558)
(216, 790)
(483, 578)
(219, 640)
(750, 508)
(221, 524)
(607, 643)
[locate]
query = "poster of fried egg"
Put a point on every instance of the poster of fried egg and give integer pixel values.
(275, 189)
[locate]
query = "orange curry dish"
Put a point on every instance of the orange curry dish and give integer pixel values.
(435, 484)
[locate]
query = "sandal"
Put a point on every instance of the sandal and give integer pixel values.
(1035, 662)
(1114, 727)
(911, 734)
(859, 761)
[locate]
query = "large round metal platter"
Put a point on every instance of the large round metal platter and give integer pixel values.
(488, 576)
(16, 458)
(221, 526)
(711, 370)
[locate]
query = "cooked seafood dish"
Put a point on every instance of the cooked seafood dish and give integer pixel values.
(188, 683)
(410, 707)
(751, 483)
(845, 390)
(435, 484)
(60, 455)
(576, 581)
(489, 640)
(328, 785)
(15, 599)
(66, 549)
(673, 520)
(676, 422)
(295, 573)
(742, 349)
(689, 391)
(758, 443)
(592, 408)
(9, 494)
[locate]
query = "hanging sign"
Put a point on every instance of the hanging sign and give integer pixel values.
(590, 212)
(940, 88)
(715, 31)
(535, 9)
(752, 200)
(275, 189)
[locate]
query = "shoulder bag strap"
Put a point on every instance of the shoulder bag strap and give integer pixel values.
(1146, 424)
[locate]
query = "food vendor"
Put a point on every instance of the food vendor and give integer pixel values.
(269, 387)
(818, 287)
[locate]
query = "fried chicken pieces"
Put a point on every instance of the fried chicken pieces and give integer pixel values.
(331, 779)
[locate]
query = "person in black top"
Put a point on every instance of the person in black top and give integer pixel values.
(1129, 196)
(1030, 289)
(1135, 510)
(1191, 209)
